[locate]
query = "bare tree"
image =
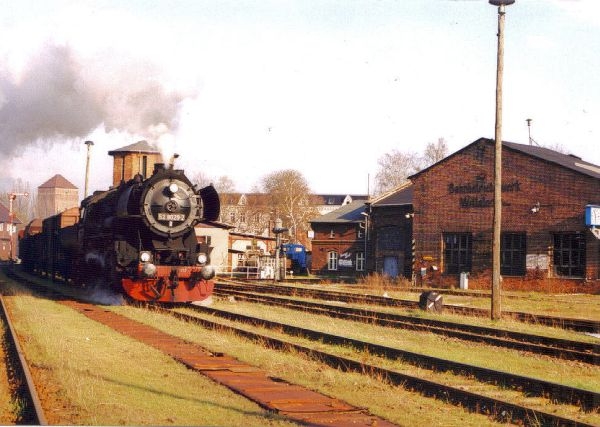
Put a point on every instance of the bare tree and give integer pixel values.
(289, 196)
(225, 185)
(434, 152)
(394, 168)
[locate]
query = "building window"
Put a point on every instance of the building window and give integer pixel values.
(360, 261)
(332, 261)
(331, 234)
(458, 252)
(569, 254)
(360, 233)
(513, 254)
(232, 217)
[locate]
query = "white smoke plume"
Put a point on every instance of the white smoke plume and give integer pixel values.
(60, 96)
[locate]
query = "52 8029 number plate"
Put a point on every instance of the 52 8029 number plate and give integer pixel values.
(170, 216)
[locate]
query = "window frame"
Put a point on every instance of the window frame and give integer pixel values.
(332, 260)
(459, 257)
(569, 254)
(513, 254)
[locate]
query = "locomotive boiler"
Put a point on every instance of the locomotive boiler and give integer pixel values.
(137, 238)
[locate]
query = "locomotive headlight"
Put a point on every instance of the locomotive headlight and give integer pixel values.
(173, 188)
(145, 256)
(202, 258)
(207, 272)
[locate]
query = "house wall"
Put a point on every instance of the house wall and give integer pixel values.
(218, 239)
(456, 195)
(341, 238)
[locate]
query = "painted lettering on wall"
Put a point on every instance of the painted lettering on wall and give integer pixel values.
(475, 192)
(479, 185)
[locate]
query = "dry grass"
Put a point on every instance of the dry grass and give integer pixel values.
(576, 374)
(95, 376)
(391, 402)
(565, 372)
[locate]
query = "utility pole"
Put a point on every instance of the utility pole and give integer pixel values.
(11, 197)
(496, 311)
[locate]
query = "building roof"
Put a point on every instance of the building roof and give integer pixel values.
(58, 181)
(142, 146)
(352, 212)
(337, 199)
(399, 196)
(568, 161)
(4, 215)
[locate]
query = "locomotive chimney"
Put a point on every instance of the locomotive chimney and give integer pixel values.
(172, 160)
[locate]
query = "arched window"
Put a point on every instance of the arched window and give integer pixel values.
(332, 261)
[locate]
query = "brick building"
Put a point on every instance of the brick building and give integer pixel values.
(544, 196)
(390, 233)
(339, 245)
(8, 234)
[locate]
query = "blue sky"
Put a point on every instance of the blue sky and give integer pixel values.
(245, 88)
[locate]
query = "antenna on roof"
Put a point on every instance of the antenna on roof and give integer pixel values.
(531, 140)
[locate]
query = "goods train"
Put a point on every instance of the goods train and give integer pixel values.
(137, 239)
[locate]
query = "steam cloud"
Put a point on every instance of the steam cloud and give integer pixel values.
(57, 96)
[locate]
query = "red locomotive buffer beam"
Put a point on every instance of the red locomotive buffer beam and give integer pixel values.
(170, 284)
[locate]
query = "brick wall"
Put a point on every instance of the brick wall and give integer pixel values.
(341, 238)
(456, 195)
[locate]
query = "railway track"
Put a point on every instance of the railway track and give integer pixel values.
(536, 344)
(292, 401)
(502, 410)
(32, 412)
(581, 325)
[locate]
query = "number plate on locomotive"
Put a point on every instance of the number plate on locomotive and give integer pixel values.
(170, 216)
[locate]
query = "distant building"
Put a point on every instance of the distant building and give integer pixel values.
(390, 250)
(56, 195)
(8, 231)
(251, 213)
(339, 245)
(326, 203)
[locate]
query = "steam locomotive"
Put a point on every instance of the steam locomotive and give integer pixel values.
(137, 239)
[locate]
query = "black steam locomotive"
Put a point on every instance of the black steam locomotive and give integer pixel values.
(137, 238)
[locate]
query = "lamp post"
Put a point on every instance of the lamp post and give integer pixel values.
(496, 312)
(87, 167)
(366, 215)
(277, 230)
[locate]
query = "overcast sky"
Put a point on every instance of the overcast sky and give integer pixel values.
(326, 87)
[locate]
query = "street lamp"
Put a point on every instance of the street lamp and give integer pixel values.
(277, 230)
(87, 167)
(497, 221)
(366, 215)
